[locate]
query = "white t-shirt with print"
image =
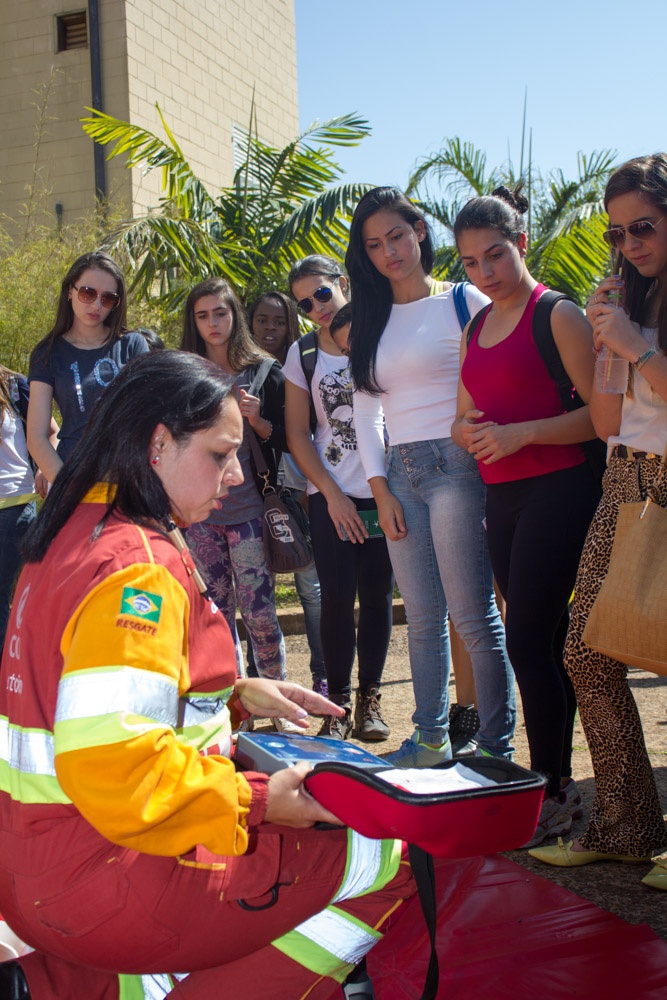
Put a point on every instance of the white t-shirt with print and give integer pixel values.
(335, 438)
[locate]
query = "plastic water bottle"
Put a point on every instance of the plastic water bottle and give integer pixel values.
(611, 370)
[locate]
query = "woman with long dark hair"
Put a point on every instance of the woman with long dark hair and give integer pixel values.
(404, 359)
(134, 858)
(80, 356)
(228, 544)
(540, 490)
(626, 821)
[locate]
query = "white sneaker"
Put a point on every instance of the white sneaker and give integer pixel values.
(287, 726)
(555, 819)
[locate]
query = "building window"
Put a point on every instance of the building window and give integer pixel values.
(72, 31)
(239, 146)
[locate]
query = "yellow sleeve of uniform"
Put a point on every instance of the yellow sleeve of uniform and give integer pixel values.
(117, 753)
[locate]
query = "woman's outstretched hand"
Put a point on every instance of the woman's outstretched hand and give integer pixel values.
(283, 699)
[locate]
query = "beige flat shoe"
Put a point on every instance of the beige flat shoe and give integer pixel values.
(657, 877)
(562, 856)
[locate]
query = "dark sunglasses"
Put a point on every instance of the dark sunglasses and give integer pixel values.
(615, 235)
(322, 294)
(88, 295)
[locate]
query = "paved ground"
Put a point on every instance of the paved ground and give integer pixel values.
(614, 887)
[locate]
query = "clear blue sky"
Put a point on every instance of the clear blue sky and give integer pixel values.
(423, 70)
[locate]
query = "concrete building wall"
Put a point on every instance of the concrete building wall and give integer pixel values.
(43, 94)
(199, 59)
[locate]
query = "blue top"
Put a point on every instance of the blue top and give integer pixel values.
(78, 379)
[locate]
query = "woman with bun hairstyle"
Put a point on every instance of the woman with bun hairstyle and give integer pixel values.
(540, 490)
(404, 358)
(626, 821)
(228, 544)
(81, 355)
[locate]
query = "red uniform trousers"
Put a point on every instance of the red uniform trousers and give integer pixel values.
(118, 911)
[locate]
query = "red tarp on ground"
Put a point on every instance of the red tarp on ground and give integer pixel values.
(506, 934)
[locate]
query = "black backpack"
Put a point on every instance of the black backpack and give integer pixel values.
(308, 355)
(595, 450)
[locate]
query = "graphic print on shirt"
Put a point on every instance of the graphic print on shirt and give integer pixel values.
(105, 371)
(336, 397)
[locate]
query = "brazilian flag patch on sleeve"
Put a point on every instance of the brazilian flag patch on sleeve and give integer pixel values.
(141, 604)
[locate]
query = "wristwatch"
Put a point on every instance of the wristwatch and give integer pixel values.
(643, 358)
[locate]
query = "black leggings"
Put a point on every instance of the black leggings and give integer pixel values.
(345, 569)
(536, 531)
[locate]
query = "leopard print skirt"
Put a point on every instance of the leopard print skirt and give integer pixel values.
(626, 817)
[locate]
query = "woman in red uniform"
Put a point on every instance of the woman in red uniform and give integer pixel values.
(134, 858)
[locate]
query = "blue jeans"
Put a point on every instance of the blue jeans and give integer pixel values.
(443, 565)
(307, 586)
(14, 522)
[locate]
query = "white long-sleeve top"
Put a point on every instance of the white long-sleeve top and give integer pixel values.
(417, 367)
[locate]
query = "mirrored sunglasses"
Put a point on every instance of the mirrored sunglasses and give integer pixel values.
(322, 294)
(88, 295)
(615, 235)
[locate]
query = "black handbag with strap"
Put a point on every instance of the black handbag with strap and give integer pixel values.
(285, 528)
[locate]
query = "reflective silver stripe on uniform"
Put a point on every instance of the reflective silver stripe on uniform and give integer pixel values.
(339, 935)
(126, 690)
(160, 985)
(199, 710)
(364, 858)
(27, 750)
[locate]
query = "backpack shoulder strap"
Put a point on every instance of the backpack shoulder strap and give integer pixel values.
(308, 357)
(461, 304)
(475, 321)
(261, 372)
(19, 394)
(594, 450)
(546, 345)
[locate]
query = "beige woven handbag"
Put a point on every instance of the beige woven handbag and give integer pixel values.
(628, 620)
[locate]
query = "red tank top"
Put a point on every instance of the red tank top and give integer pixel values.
(511, 384)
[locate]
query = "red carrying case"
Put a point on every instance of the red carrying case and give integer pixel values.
(456, 824)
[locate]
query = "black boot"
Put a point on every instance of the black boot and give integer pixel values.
(334, 727)
(358, 985)
(13, 985)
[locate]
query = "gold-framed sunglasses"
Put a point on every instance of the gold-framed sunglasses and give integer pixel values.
(88, 295)
(643, 230)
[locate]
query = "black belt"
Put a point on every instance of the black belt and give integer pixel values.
(631, 454)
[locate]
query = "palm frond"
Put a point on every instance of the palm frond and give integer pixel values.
(458, 166)
(144, 149)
